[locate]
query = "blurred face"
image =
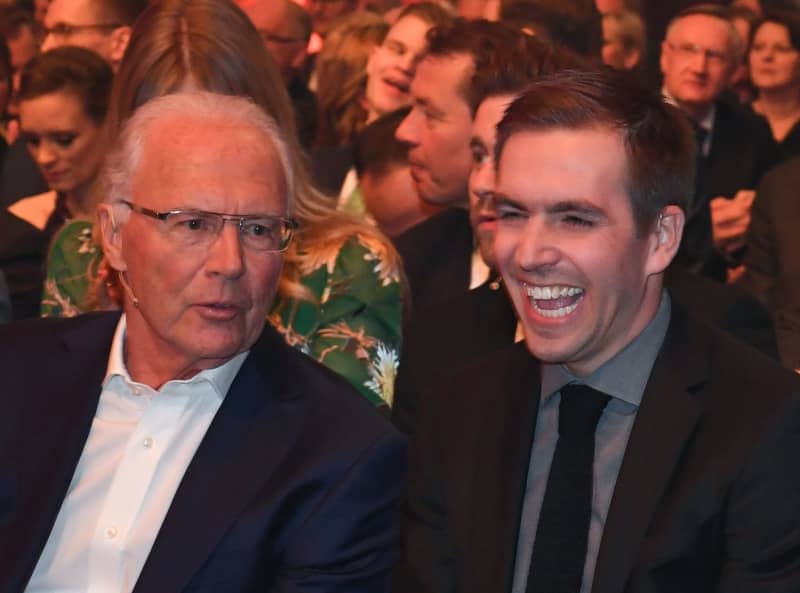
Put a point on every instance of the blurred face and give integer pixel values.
(392, 65)
(23, 49)
(76, 22)
(324, 12)
(198, 308)
(438, 129)
(774, 63)
(392, 200)
(62, 140)
(614, 53)
(567, 246)
(283, 40)
(482, 179)
(697, 62)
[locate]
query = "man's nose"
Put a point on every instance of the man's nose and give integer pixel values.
(226, 253)
(537, 250)
(407, 131)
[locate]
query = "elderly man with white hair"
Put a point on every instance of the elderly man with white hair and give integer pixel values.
(182, 445)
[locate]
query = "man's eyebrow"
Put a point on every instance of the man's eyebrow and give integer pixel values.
(501, 199)
(577, 207)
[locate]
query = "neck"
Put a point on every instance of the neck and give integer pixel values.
(80, 203)
(153, 362)
(778, 102)
(697, 112)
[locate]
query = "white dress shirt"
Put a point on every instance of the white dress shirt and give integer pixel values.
(139, 446)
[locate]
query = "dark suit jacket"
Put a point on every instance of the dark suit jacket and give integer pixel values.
(706, 499)
(450, 336)
(447, 337)
(437, 258)
(293, 488)
(773, 254)
(741, 152)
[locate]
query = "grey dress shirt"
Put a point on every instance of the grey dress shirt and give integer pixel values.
(624, 378)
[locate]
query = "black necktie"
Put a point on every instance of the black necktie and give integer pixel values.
(700, 135)
(559, 550)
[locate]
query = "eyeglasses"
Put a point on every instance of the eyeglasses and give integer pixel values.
(690, 50)
(198, 228)
(64, 30)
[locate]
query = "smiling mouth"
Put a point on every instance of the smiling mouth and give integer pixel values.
(399, 86)
(554, 301)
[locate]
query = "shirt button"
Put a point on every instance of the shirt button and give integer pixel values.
(111, 532)
(148, 442)
(137, 391)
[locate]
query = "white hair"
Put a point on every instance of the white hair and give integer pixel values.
(124, 160)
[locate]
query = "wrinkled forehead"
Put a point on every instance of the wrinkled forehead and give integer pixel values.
(232, 149)
(73, 12)
(701, 29)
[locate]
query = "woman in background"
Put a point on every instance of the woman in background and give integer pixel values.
(775, 72)
(62, 99)
(340, 77)
(339, 297)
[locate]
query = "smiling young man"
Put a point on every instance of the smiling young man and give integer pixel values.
(625, 446)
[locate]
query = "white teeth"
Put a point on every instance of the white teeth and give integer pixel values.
(552, 292)
(561, 312)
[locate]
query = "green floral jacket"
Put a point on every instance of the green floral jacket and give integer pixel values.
(354, 329)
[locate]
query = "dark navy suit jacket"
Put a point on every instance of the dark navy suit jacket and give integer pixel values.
(293, 488)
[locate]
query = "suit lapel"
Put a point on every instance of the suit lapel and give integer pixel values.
(257, 425)
(501, 469)
(663, 425)
(52, 427)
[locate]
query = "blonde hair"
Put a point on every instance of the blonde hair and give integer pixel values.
(211, 45)
(341, 73)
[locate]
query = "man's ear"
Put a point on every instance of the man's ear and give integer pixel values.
(111, 237)
(300, 58)
(118, 44)
(631, 58)
(662, 59)
(665, 238)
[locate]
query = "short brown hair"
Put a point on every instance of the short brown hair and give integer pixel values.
(717, 11)
(119, 12)
(571, 24)
(72, 70)
(658, 139)
(494, 49)
(788, 17)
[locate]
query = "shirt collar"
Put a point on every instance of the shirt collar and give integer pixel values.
(707, 123)
(220, 377)
(625, 376)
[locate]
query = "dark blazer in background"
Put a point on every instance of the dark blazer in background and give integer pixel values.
(329, 167)
(706, 498)
(5, 300)
(437, 256)
(772, 262)
(741, 152)
(20, 176)
(293, 487)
